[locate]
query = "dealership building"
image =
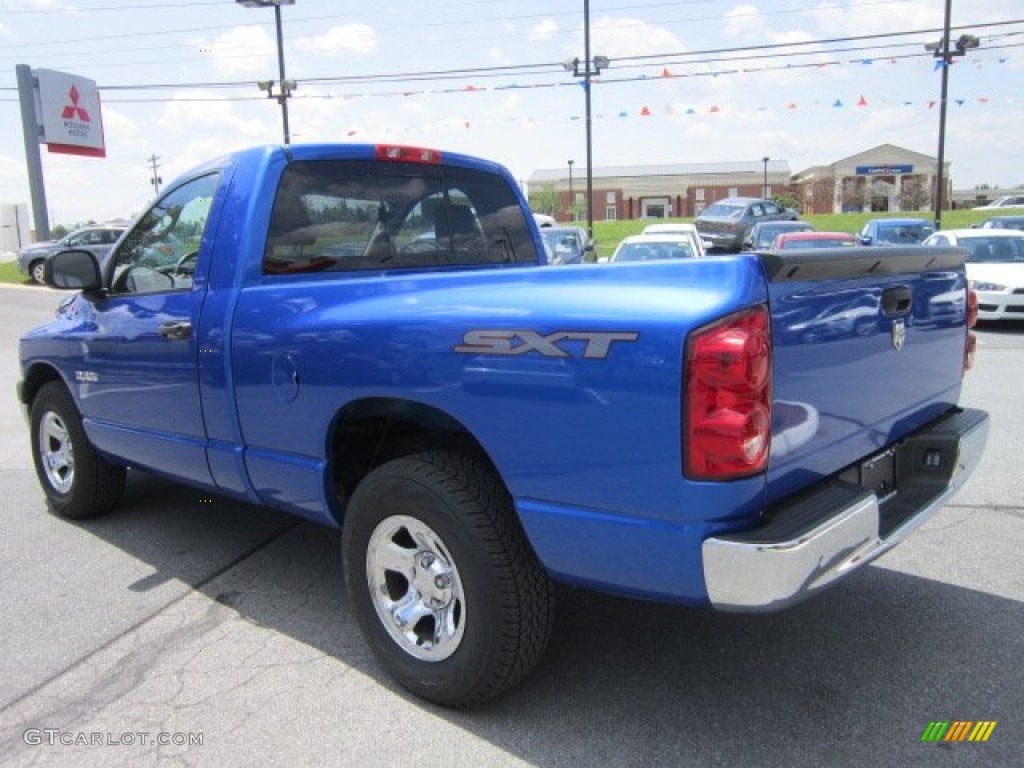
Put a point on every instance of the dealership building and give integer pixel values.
(884, 178)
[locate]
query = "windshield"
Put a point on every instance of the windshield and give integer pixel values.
(724, 211)
(790, 245)
(653, 251)
(561, 240)
(986, 250)
(904, 233)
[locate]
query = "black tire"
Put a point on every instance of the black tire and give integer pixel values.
(77, 481)
(437, 534)
(36, 271)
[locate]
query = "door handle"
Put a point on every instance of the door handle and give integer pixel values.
(181, 329)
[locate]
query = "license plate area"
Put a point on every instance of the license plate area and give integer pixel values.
(876, 473)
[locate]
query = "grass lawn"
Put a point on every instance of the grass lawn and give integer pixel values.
(10, 275)
(609, 234)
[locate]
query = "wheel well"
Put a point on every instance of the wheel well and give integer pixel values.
(36, 377)
(371, 432)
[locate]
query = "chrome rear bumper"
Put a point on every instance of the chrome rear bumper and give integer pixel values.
(820, 536)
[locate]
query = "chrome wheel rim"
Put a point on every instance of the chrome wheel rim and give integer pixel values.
(415, 588)
(56, 452)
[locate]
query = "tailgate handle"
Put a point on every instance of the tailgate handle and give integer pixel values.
(896, 300)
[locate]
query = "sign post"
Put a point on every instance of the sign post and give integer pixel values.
(31, 129)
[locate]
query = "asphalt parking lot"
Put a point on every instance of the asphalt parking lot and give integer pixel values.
(224, 630)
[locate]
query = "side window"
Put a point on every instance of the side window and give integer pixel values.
(326, 215)
(86, 237)
(159, 253)
(757, 210)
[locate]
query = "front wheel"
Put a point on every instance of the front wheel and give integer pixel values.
(37, 271)
(447, 590)
(77, 481)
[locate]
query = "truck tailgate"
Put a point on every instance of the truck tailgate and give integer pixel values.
(868, 345)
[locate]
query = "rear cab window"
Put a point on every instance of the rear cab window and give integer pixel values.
(353, 215)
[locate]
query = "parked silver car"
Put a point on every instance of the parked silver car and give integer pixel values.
(97, 239)
(725, 224)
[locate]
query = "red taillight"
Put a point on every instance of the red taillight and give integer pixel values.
(727, 406)
(395, 153)
(972, 320)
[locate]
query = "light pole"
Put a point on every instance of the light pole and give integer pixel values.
(287, 86)
(764, 189)
(572, 200)
(941, 51)
(591, 67)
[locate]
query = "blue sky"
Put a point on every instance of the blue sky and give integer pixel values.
(773, 89)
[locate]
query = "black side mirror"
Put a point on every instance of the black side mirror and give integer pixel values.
(73, 270)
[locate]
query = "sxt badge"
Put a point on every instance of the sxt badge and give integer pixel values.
(596, 344)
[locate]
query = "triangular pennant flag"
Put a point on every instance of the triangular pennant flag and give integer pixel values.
(645, 112)
(666, 73)
(837, 103)
(714, 108)
(791, 105)
(862, 102)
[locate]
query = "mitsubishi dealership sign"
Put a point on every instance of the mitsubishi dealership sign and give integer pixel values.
(68, 108)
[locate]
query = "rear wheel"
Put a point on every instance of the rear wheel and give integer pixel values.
(78, 482)
(447, 590)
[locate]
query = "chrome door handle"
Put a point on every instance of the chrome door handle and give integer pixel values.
(177, 330)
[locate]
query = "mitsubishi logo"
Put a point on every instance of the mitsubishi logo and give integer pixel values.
(899, 334)
(72, 109)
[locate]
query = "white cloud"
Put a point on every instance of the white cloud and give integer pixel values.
(344, 38)
(544, 30)
(246, 50)
(192, 112)
(630, 37)
(744, 21)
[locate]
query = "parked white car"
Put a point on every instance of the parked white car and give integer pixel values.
(655, 248)
(680, 228)
(1007, 201)
(995, 268)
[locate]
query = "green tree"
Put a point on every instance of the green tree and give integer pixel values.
(544, 200)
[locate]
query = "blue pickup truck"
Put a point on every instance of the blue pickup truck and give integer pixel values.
(368, 336)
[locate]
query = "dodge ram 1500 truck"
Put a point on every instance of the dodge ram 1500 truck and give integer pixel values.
(367, 336)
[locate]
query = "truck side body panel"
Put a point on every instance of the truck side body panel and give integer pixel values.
(571, 379)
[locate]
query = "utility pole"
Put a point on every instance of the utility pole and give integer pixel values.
(154, 179)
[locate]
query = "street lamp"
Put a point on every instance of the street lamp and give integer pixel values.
(572, 201)
(765, 188)
(591, 68)
(287, 86)
(940, 49)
